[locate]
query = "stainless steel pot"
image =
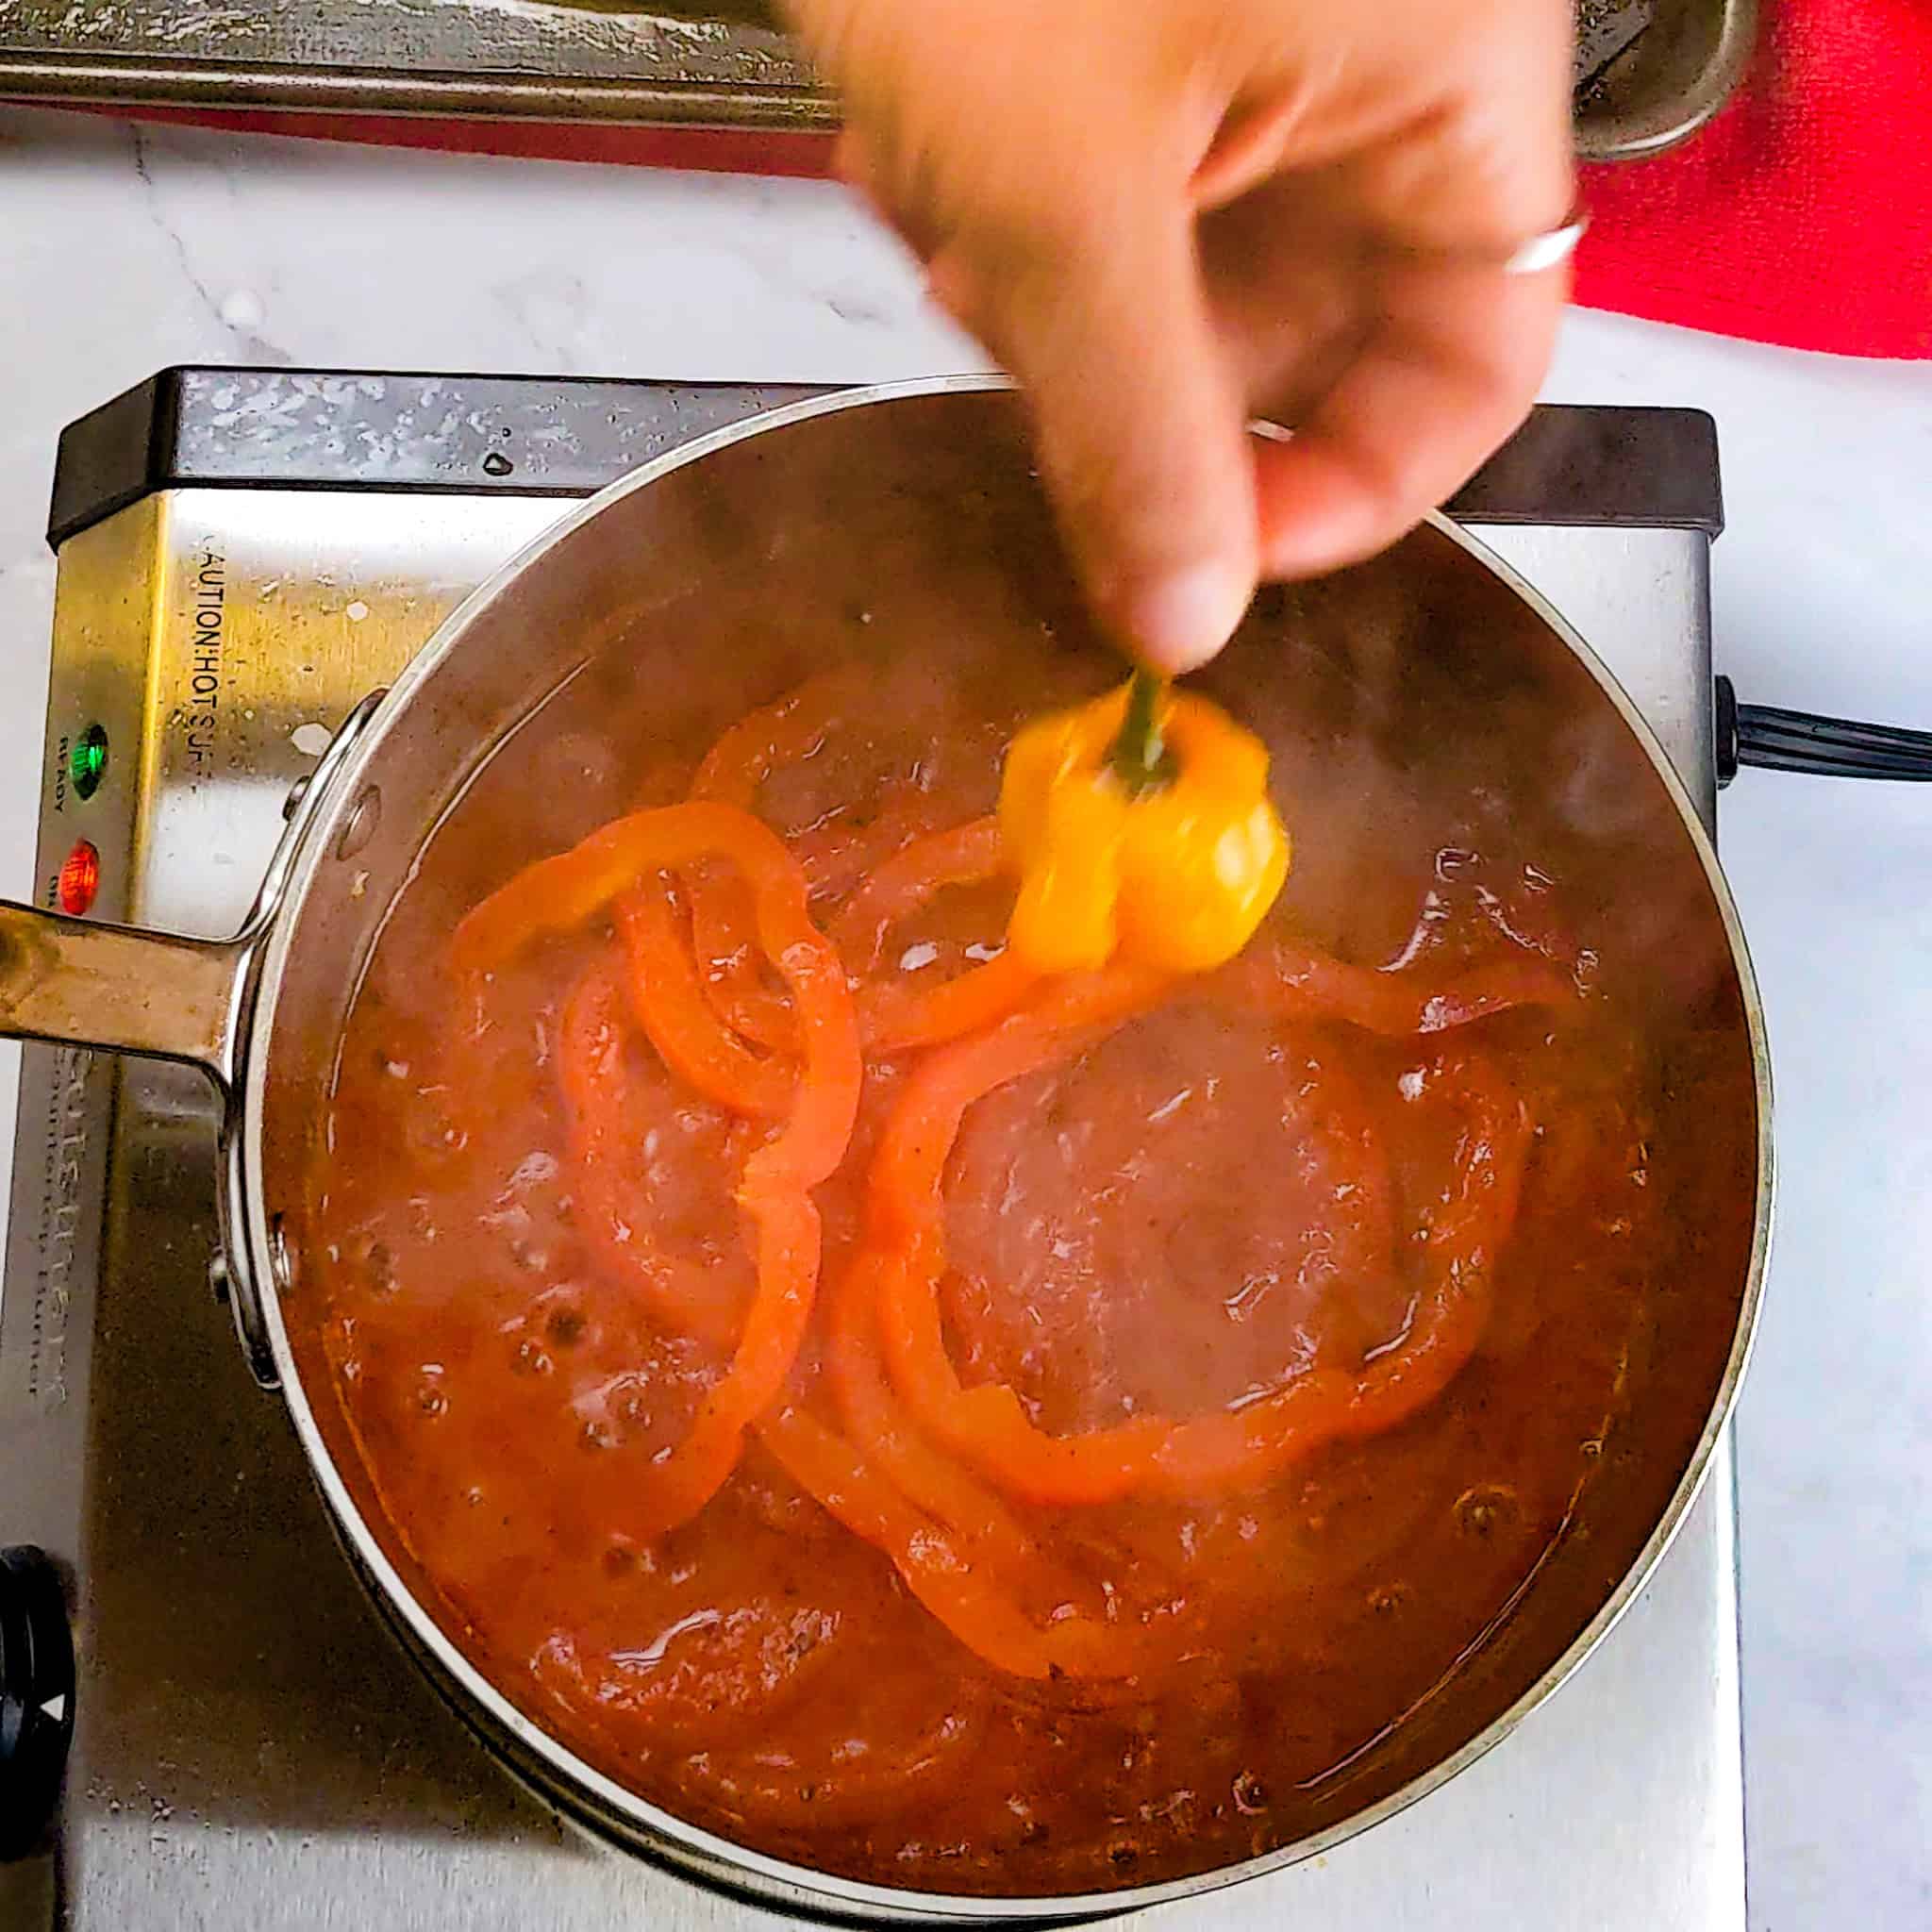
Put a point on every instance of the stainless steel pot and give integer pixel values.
(262, 1013)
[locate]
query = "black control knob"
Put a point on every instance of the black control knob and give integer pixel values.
(36, 1696)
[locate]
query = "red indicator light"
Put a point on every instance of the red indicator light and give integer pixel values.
(80, 878)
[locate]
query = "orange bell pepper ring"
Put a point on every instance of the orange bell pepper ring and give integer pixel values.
(1171, 867)
(564, 892)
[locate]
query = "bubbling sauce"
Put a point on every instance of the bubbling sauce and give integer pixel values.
(1295, 1393)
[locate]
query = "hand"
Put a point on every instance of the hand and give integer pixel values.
(1169, 217)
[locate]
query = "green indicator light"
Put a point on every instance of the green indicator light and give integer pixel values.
(87, 760)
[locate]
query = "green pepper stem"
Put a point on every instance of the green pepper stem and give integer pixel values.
(1139, 755)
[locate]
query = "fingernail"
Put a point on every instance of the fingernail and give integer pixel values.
(1181, 620)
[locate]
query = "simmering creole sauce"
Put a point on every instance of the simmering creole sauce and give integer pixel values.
(1166, 1389)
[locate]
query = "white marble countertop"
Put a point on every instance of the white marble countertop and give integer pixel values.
(123, 253)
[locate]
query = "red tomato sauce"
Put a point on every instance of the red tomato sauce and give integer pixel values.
(1310, 1259)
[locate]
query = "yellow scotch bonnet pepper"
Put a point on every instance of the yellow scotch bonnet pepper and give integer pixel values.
(1176, 875)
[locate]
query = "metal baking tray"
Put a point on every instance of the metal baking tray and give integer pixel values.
(724, 65)
(1665, 82)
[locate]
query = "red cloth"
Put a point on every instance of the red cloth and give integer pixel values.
(1803, 214)
(704, 150)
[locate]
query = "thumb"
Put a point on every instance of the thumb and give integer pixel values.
(1139, 423)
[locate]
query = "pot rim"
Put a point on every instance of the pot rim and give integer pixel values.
(691, 1848)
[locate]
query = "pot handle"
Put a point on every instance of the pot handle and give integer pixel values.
(77, 982)
(1775, 740)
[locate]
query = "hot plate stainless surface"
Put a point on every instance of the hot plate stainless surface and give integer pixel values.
(251, 1750)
